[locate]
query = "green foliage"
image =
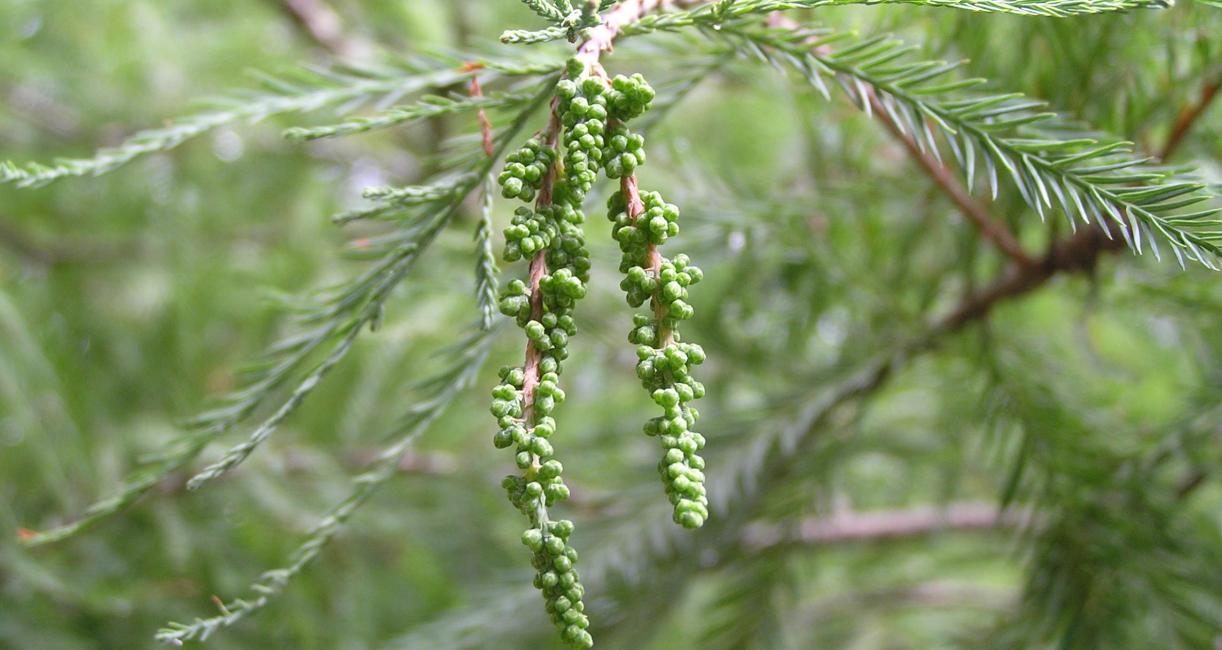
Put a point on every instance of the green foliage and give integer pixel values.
(304, 91)
(468, 359)
(1053, 163)
(870, 358)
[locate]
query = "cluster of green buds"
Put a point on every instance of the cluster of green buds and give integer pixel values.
(568, 252)
(583, 114)
(558, 580)
(666, 373)
(529, 232)
(550, 235)
(624, 153)
(589, 122)
(640, 234)
(524, 171)
(629, 97)
(641, 224)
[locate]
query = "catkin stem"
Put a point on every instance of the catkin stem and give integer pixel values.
(538, 269)
(632, 196)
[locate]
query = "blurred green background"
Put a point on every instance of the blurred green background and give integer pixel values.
(127, 300)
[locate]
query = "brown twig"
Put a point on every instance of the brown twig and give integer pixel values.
(60, 251)
(973, 210)
(1188, 116)
(884, 525)
(473, 89)
(924, 595)
(653, 259)
(323, 25)
(538, 269)
(1077, 253)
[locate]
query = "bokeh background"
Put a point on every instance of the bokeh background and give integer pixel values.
(1091, 404)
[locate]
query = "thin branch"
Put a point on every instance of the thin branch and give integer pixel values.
(25, 247)
(924, 595)
(474, 90)
(885, 525)
(1077, 253)
(324, 26)
(538, 268)
(973, 210)
(61, 251)
(1189, 116)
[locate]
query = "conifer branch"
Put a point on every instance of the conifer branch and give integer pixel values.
(354, 307)
(367, 311)
(711, 13)
(346, 88)
(486, 269)
(974, 211)
(448, 384)
(426, 107)
(1054, 165)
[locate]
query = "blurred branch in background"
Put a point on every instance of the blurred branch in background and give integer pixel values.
(35, 106)
(924, 595)
(322, 24)
(1189, 115)
(884, 525)
(62, 250)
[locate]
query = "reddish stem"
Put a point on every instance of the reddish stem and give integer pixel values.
(653, 259)
(1188, 117)
(602, 37)
(485, 127)
(538, 268)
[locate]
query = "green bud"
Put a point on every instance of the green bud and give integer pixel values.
(550, 469)
(666, 398)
